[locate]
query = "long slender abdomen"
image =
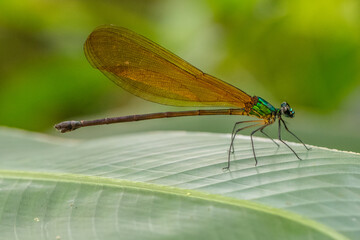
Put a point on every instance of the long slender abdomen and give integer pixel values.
(68, 126)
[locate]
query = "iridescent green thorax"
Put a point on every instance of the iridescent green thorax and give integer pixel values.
(262, 109)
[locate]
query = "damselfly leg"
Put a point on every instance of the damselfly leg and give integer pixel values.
(293, 134)
(285, 142)
(252, 141)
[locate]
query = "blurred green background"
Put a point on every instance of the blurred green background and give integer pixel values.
(304, 52)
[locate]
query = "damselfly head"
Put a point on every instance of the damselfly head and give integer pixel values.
(286, 110)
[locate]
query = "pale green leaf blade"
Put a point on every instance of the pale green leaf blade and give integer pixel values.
(322, 187)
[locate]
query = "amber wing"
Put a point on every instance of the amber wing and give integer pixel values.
(151, 72)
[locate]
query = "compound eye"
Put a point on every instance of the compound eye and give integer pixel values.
(290, 112)
(287, 110)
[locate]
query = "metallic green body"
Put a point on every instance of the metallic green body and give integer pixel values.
(262, 109)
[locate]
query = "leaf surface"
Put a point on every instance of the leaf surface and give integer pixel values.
(170, 185)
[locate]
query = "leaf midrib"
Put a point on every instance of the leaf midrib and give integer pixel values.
(120, 183)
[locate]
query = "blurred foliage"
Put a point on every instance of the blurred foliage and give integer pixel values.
(303, 51)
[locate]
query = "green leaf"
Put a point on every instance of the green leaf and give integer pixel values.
(170, 185)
